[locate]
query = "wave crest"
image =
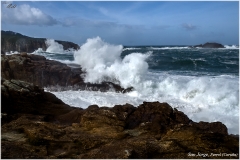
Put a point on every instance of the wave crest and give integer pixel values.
(102, 62)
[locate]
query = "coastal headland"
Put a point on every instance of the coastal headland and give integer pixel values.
(12, 41)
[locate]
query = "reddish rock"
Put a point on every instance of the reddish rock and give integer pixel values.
(35, 124)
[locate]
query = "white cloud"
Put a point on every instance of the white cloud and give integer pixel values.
(26, 15)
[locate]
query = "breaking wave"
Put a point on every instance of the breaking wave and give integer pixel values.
(53, 48)
(231, 47)
(102, 62)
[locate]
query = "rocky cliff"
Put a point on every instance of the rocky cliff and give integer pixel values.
(11, 41)
(35, 124)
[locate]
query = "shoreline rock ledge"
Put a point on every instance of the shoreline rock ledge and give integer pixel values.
(52, 74)
(36, 124)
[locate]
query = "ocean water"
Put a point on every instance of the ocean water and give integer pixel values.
(203, 83)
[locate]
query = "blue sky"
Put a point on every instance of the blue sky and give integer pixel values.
(125, 22)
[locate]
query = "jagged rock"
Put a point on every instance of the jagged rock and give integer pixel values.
(42, 126)
(48, 73)
(156, 117)
(23, 97)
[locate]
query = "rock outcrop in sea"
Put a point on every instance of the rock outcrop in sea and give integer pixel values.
(11, 41)
(209, 45)
(36, 124)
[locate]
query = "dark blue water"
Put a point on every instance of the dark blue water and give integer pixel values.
(190, 61)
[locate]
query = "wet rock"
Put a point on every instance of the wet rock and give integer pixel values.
(214, 127)
(23, 97)
(155, 116)
(2, 52)
(54, 75)
(38, 125)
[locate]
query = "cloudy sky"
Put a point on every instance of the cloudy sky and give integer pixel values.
(127, 23)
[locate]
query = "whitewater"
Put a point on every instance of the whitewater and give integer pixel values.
(203, 83)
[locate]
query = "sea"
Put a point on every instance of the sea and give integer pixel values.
(203, 83)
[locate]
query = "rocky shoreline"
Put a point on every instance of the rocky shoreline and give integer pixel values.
(36, 124)
(49, 73)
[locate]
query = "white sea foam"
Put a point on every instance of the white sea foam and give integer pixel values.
(202, 98)
(12, 52)
(102, 62)
(63, 61)
(85, 98)
(186, 47)
(231, 47)
(39, 50)
(54, 47)
(167, 48)
(130, 49)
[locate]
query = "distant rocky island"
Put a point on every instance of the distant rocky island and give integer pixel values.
(209, 45)
(12, 41)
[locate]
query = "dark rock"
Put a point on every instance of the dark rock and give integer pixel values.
(155, 116)
(23, 97)
(210, 45)
(48, 73)
(214, 127)
(11, 41)
(2, 52)
(41, 126)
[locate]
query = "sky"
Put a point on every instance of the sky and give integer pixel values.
(125, 22)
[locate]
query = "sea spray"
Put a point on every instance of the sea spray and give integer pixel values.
(102, 62)
(54, 47)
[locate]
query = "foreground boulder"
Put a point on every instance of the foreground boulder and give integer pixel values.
(19, 97)
(35, 124)
(48, 73)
